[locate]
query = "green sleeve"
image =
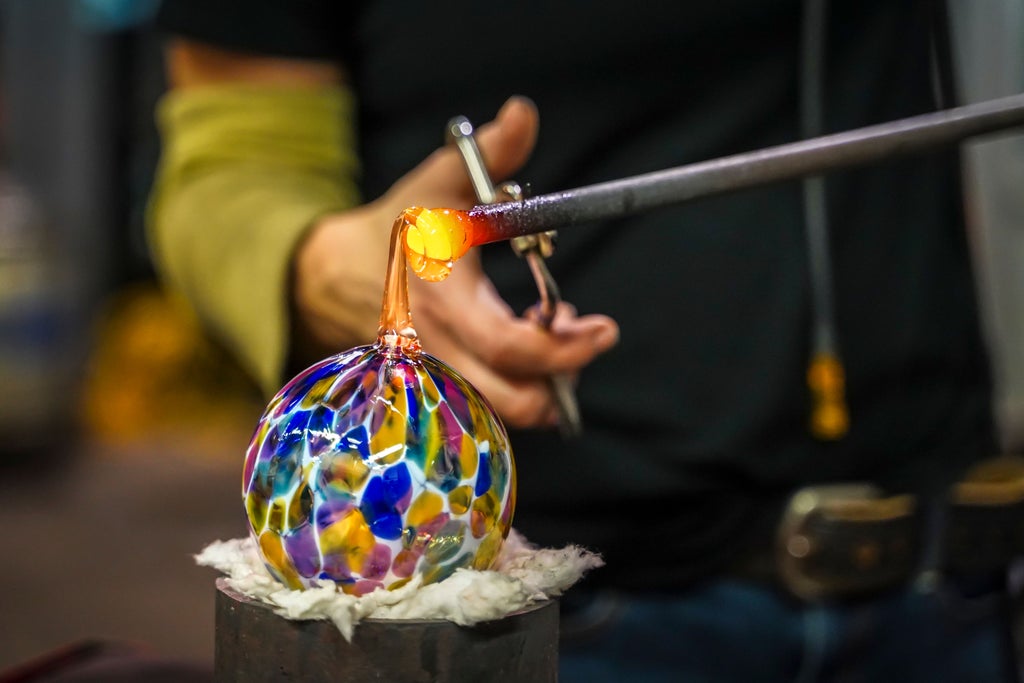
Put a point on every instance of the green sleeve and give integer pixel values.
(244, 172)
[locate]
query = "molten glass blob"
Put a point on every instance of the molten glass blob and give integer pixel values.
(380, 463)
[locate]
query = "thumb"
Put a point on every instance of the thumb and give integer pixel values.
(441, 179)
(507, 141)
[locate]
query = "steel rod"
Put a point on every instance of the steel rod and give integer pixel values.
(861, 146)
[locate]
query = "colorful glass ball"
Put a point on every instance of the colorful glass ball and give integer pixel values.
(376, 465)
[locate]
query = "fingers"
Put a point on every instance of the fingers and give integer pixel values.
(520, 347)
(506, 142)
(510, 360)
(521, 403)
(467, 309)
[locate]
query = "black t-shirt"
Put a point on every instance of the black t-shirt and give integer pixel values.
(699, 417)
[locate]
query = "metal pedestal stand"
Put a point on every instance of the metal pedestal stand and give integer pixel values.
(253, 644)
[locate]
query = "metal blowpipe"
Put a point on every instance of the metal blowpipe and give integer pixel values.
(814, 156)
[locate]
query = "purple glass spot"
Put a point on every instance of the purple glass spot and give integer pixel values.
(301, 546)
(405, 563)
(364, 587)
(336, 567)
(424, 533)
(332, 508)
(456, 392)
(378, 562)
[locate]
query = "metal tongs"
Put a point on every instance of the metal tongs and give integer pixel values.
(533, 249)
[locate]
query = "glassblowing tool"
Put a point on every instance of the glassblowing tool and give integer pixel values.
(861, 146)
(534, 248)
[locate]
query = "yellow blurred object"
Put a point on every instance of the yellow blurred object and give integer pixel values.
(153, 374)
(830, 417)
(995, 481)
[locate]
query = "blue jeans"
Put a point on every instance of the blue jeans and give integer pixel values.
(737, 631)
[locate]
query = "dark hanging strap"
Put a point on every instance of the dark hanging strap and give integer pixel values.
(946, 92)
(830, 418)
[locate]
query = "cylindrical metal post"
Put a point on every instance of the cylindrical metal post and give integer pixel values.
(255, 645)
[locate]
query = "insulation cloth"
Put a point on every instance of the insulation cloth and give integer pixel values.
(522, 576)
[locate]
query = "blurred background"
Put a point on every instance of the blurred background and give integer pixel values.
(124, 430)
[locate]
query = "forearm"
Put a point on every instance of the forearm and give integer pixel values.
(246, 171)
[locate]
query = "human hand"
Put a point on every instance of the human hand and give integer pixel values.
(462, 320)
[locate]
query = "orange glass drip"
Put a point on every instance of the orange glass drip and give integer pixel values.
(429, 241)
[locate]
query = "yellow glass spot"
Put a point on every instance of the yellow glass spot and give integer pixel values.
(426, 507)
(318, 392)
(510, 499)
(459, 499)
(487, 553)
(273, 553)
(348, 472)
(350, 537)
(482, 426)
(387, 445)
(431, 395)
(485, 513)
(398, 584)
(275, 519)
(469, 457)
(300, 507)
(431, 435)
(256, 508)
